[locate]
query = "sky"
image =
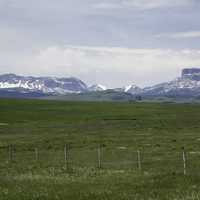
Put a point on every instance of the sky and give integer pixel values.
(110, 42)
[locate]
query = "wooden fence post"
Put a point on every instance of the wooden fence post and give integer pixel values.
(10, 156)
(66, 154)
(99, 157)
(139, 160)
(53, 171)
(36, 154)
(184, 161)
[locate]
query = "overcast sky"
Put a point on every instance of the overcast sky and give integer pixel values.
(111, 42)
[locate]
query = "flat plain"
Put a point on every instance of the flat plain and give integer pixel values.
(85, 150)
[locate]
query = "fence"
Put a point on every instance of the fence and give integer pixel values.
(102, 158)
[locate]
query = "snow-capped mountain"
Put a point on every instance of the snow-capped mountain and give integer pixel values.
(186, 85)
(42, 84)
(97, 87)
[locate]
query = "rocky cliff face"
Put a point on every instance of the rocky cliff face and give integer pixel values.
(191, 73)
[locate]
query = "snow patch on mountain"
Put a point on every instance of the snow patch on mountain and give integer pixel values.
(133, 89)
(97, 87)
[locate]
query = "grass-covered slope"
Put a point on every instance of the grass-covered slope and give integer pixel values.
(159, 131)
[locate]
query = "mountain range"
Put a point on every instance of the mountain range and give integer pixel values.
(183, 87)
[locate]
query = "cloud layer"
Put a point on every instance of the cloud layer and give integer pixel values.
(111, 66)
(115, 42)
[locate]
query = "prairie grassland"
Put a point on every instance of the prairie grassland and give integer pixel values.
(158, 131)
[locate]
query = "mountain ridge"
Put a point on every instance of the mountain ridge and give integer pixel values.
(185, 86)
(46, 84)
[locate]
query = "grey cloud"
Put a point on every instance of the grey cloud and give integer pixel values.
(49, 22)
(29, 27)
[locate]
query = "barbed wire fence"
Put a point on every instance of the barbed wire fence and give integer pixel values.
(120, 158)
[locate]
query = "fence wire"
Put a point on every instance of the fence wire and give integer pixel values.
(117, 158)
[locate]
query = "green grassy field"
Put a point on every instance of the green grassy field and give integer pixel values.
(157, 130)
